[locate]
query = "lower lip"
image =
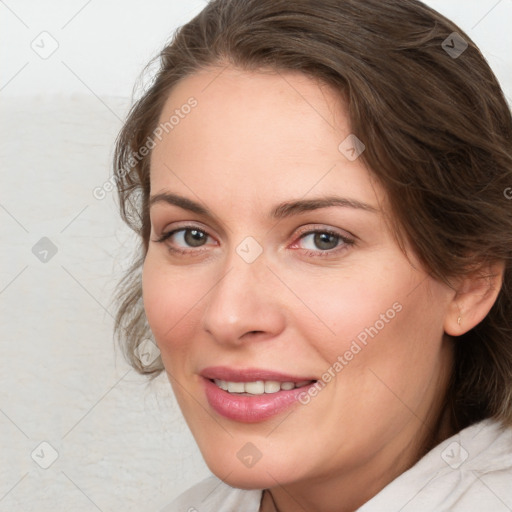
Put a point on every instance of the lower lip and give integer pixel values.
(250, 409)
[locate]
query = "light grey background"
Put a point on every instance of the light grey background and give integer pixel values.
(120, 444)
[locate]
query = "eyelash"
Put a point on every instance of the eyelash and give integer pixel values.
(347, 242)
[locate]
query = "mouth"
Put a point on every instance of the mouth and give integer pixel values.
(259, 387)
(252, 395)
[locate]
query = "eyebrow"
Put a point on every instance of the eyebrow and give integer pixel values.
(281, 211)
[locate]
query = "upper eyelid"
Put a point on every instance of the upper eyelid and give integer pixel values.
(190, 225)
(321, 228)
(303, 231)
(173, 231)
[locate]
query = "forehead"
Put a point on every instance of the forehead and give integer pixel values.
(254, 133)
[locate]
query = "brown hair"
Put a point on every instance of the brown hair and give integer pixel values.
(438, 135)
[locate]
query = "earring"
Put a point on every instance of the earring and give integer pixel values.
(459, 320)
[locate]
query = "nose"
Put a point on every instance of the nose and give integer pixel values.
(245, 303)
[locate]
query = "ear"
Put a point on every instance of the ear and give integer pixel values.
(475, 295)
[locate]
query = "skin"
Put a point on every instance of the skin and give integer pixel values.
(256, 140)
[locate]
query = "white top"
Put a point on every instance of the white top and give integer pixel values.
(469, 472)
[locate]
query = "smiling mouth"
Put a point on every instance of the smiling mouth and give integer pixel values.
(258, 387)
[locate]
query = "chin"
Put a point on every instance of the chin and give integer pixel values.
(247, 480)
(234, 472)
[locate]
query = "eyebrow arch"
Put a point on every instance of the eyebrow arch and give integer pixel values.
(305, 205)
(281, 211)
(182, 202)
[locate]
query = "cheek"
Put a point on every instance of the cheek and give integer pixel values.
(390, 321)
(169, 301)
(397, 350)
(336, 308)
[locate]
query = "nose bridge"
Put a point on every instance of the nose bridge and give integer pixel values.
(243, 300)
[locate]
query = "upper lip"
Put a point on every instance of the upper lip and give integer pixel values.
(249, 375)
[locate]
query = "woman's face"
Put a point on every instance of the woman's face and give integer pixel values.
(282, 268)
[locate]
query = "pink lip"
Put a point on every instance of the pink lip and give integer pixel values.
(248, 375)
(249, 409)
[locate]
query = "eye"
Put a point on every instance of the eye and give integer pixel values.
(322, 242)
(191, 237)
(314, 242)
(184, 238)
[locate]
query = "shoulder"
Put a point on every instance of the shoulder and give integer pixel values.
(213, 495)
(471, 471)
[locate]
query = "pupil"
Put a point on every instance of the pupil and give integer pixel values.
(194, 237)
(325, 240)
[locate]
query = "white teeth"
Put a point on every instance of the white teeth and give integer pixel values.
(236, 387)
(259, 387)
(222, 384)
(272, 386)
(255, 388)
